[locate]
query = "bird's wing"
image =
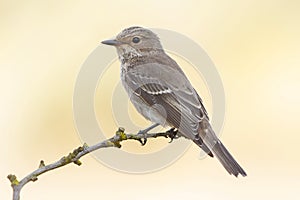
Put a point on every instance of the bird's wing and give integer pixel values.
(167, 86)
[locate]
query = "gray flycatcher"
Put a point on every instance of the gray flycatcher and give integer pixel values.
(162, 93)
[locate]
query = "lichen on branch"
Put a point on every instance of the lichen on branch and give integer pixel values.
(76, 154)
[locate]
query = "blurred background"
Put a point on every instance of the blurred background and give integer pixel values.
(254, 45)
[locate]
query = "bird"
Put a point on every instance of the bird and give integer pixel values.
(162, 93)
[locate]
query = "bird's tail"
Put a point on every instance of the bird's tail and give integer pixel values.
(216, 147)
(226, 159)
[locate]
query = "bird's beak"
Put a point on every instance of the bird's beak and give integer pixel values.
(113, 42)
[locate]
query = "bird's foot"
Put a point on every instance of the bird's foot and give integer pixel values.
(143, 140)
(144, 133)
(172, 133)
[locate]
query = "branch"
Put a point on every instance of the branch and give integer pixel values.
(82, 151)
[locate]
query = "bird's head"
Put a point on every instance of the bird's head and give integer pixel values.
(135, 41)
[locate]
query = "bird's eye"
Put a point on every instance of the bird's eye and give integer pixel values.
(135, 40)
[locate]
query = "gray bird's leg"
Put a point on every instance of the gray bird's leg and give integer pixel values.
(145, 131)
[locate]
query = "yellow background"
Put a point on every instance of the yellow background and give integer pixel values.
(254, 44)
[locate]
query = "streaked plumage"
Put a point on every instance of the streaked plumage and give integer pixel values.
(162, 93)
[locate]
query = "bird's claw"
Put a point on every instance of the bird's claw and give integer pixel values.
(172, 133)
(143, 140)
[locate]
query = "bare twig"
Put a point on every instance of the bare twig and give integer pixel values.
(81, 151)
